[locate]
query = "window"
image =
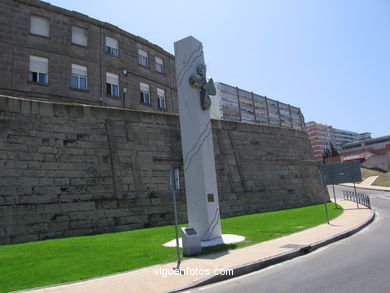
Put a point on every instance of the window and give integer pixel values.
(112, 46)
(38, 71)
(142, 58)
(144, 92)
(79, 77)
(161, 99)
(159, 65)
(112, 84)
(39, 26)
(79, 36)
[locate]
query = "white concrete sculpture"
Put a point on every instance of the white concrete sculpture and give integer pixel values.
(197, 141)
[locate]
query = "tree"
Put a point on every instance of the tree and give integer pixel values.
(333, 151)
(330, 152)
(326, 154)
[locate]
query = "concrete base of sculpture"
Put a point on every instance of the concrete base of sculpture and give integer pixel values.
(225, 239)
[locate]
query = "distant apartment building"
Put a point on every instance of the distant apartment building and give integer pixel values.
(234, 104)
(373, 153)
(361, 149)
(50, 53)
(322, 135)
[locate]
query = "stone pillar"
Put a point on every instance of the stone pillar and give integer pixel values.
(197, 144)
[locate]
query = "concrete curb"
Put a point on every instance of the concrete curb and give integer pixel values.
(372, 187)
(261, 264)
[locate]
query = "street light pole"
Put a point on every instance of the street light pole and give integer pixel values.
(174, 180)
(334, 196)
(323, 192)
(356, 196)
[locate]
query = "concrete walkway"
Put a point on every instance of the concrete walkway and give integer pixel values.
(366, 186)
(243, 260)
(369, 181)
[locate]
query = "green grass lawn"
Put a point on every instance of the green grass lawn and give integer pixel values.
(55, 261)
(383, 180)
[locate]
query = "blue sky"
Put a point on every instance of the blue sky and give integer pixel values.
(331, 58)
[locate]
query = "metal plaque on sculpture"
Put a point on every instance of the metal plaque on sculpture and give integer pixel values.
(342, 172)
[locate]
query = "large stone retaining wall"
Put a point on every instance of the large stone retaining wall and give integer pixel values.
(68, 170)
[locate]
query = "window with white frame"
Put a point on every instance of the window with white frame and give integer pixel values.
(112, 84)
(39, 26)
(38, 69)
(112, 46)
(159, 65)
(79, 36)
(79, 77)
(142, 58)
(161, 99)
(144, 92)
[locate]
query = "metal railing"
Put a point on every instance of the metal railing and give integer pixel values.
(359, 198)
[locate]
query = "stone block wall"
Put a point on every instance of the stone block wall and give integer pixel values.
(68, 170)
(263, 168)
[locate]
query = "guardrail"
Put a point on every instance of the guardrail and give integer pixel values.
(359, 198)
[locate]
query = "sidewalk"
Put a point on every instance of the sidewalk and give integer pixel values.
(243, 260)
(369, 181)
(367, 186)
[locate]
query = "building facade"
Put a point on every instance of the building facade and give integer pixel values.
(50, 53)
(372, 153)
(377, 145)
(322, 135)
(234, 104)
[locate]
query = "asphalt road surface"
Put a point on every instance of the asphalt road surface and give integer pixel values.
(360, 263)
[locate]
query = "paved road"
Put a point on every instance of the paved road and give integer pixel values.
(360, 263)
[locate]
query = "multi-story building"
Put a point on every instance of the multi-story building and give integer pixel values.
(234, 104)
(322, 135)
(341, 137)
(375, 145)
(51, 53)
(373, 153)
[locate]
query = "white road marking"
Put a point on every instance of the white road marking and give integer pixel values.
(384, 197)
(364, 229)
(377, 216)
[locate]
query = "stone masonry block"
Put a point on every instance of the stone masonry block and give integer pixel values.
(13, 105)
(61, 110)
(3, 104)
(46, 109)
(26, 107)
(35, 108)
